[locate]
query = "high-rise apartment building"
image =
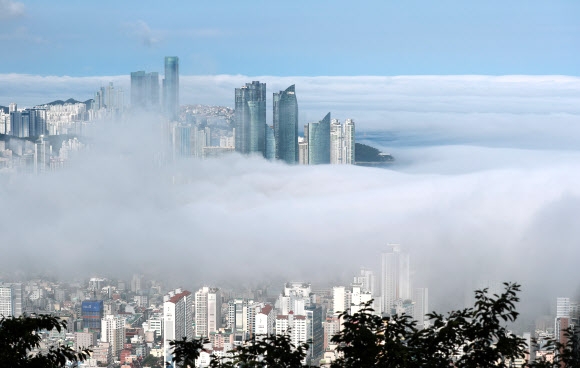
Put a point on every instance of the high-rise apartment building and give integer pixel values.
(395, 277)
(342, 143)
(113, 332)
(11, 300)
(319, 141)
(366, 279)
(348, 142)
(285, 109)
(28, 123)
(421, 308)
(208, 306)
(144, 90)
(171, 87)
(336, 141)
(250, 118)
(177, 319)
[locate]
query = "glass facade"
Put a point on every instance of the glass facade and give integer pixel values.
(250, 118)
(144, 89)
(285, 109)
(171, 87)
(270, 143)
(92, 312)
(319, 142)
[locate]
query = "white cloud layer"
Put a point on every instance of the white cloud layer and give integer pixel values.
(486, 186)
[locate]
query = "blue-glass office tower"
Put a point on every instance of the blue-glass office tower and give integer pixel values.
(144, 90)
(270, 143)
(285, 120)
(250, 118)
(92, 312)
(171, 87)
(319, 142)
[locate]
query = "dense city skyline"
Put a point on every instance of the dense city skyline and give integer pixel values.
(478, 105)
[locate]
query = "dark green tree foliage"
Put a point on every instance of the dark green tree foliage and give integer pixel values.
(266, 351)
(478, 335)
(475, 337)
(19, 336)
(185, 352)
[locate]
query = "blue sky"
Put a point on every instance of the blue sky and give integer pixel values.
(306, 38)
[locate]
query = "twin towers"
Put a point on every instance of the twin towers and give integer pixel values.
(253, 135)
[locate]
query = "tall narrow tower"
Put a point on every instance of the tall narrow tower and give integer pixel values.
(285, 120)
(395, 278)
(171, 87)
(250, 118)
(319, 141)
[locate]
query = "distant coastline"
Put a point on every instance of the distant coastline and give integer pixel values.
(369, 156)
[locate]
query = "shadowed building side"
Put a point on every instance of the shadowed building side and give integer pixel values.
(285, 119)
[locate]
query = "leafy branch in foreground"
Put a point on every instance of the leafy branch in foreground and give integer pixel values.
(20, 336)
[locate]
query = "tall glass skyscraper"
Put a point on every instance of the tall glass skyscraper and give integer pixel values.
(319, 142)
(250, 118)
(144, 89)
(286, 125)
(171, 87)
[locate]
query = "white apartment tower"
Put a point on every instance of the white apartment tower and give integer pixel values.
(562, 320)
(113, 332)
(338, 299)
(395, 277)
(177, 319)
(421, 299)
(342, 143)
(208, 306)
(336, 141)
(11, 300)
(348, 142)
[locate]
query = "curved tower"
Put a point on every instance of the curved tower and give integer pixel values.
(286, 125)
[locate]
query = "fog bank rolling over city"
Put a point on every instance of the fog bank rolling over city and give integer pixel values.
(485, 186)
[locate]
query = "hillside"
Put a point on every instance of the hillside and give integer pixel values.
(367, 155)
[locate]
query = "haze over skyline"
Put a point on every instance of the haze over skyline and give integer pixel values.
(485, 182)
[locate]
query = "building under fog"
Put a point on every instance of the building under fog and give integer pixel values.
(395, 277)
(318, 137)
(144, 90)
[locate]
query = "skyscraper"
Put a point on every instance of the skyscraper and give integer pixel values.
(319, 142)
(207, 311)
(285, 108)
(270, 143)
(177, 319)
(11, 300)
(113, 332)
(395, 277)
(144, 90)
(336, 140)
(348, 143)
(171, 87)
(250, 118)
